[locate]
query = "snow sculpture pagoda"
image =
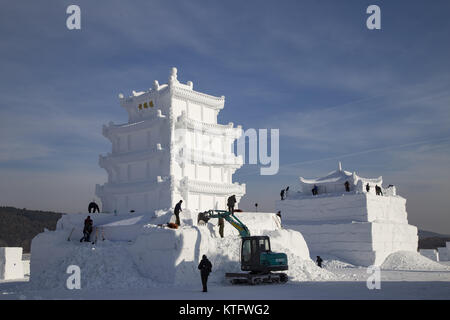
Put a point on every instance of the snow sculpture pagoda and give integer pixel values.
(171, 149)
(351, 222)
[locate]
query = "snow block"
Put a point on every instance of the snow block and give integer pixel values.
(362, 207)
(443, 254)
(360, 244)
(447, 245)
(431, 254)
(139, 253)
(360, 228)
(11, 266)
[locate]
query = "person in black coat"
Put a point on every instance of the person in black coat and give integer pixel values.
(94, 207)
(221, 226)
(87, 230)
(230, 203)
(282, 194)
(319, 261)
(176, 211)
(378, 191)
(205, 268)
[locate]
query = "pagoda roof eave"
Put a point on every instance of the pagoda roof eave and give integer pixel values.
(337, 177)
(112, 129)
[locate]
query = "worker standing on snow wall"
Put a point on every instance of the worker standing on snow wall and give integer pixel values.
(347, 186)
(282, 194)
(230, 203)
(367, 187)
(94, 207)
(319, 261)
(87, 230)
(205, 268)
(176, 211)
(279, 215)
(378, 191)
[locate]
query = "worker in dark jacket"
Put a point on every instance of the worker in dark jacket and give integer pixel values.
(176, 211)
(378, 191)
(221, 226)
(87, 230)
(230, 203)
(319, 261)
(93, 207)
(205, 268)
(367, 187)
(282, 194)
(347, 186)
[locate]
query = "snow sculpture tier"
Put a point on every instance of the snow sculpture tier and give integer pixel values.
(171, 148)
(358, 226)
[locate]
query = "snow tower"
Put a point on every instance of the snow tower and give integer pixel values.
(172, 148)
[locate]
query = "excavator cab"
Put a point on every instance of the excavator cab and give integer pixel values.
(257, 256)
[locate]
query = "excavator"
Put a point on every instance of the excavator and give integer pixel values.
(257, 257)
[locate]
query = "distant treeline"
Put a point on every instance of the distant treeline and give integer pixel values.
(433, 242)
(19, 226)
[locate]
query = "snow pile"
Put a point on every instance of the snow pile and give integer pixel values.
(407, 260)
(157, 251)
(138, 253)
(106, 265)
(330, 262)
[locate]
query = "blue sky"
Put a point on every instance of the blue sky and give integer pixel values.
(379, 101)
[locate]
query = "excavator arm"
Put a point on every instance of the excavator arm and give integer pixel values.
(230, 218)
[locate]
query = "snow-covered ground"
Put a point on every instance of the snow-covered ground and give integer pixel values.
(140, 260)
(349, 283)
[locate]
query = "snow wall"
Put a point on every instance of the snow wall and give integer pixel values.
(443, 253)
(359, 228)
(362, 207)
(431, 254)
(137, 252)
(11, 265)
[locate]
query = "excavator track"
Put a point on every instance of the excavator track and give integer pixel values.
(256, 278)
